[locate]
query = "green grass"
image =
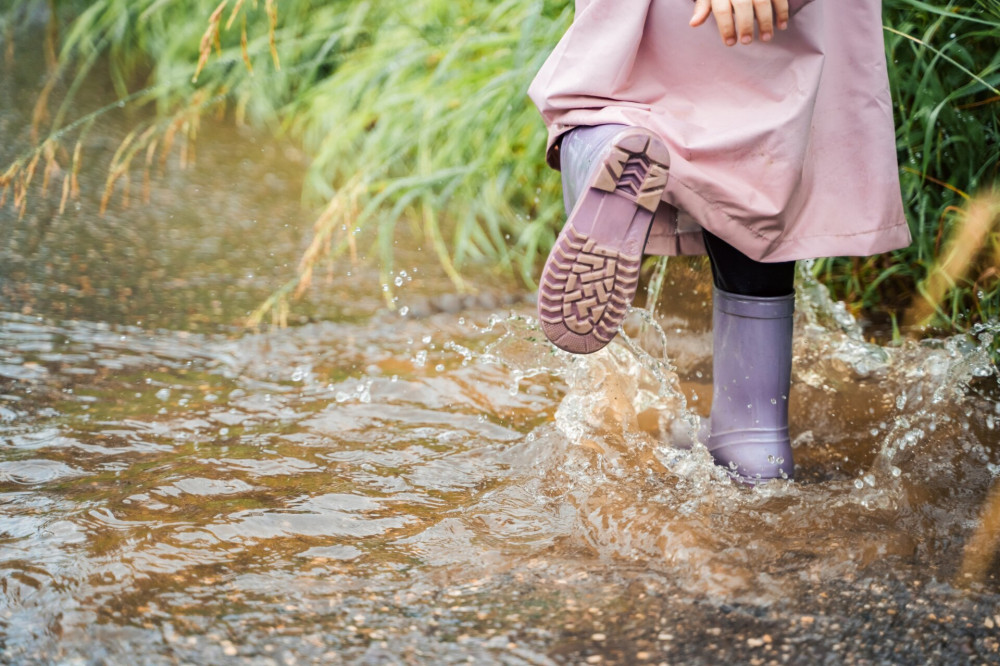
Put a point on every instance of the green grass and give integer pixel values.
(414, 115)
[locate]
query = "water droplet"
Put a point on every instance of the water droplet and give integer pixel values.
(426, 339)
(398, 281)
(774, 401)
(896, 471)
(439, 367)
(403, 311)
(223, 432)
(859, 484)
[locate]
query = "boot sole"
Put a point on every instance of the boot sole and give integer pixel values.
(592, 272)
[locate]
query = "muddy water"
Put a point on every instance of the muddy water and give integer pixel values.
(367, 487)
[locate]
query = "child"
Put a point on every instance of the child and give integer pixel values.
(671, 141)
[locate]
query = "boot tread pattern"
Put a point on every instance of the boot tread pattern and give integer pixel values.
(637, 170)
(591, 293)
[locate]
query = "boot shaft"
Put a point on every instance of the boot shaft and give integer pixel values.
(752, 365)
(579, 153)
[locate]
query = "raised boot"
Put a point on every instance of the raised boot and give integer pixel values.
(752, 366)
(613, 178)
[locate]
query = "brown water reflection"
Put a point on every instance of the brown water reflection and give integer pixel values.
(372, 488)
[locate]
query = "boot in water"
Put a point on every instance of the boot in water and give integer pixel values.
(752, 366)
(613, 178)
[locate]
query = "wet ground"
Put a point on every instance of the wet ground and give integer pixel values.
(442, 487)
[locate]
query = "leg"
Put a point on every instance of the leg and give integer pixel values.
(737, 273)
(752, 362)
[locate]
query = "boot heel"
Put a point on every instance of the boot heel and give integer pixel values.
(636, 169)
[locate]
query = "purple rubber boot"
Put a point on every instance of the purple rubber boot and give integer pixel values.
(752, 367)
(613, 178)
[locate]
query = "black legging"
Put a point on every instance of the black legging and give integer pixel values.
(737, 273)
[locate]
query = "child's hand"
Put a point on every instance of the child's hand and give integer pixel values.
(735, 17)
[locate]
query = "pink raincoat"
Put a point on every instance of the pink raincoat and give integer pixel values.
(785, 149)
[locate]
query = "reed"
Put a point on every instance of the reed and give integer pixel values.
(981, 549)
(969, 261)
(414, 115)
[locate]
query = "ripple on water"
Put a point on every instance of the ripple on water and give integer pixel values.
(36, 471)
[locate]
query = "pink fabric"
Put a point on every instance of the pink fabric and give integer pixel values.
(785, 150)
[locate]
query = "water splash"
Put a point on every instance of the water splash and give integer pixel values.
(885, 425)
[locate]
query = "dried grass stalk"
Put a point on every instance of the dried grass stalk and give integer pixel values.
(959, 259)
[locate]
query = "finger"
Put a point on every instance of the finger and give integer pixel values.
(743, 15)
(723, 11)
(702, 8)
(765, 20)
(781, 13)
